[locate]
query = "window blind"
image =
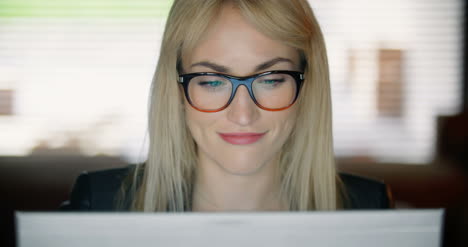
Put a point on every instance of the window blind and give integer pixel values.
(80, 73)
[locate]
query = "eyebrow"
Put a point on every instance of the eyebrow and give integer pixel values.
(224, 69)
(213, 66)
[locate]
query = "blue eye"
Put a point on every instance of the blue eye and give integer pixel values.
(273, 81)
(210, 83)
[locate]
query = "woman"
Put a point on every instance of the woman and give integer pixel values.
(239, 119)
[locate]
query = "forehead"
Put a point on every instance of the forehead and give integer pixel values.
(234, 43)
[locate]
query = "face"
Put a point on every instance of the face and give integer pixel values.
(242, 139)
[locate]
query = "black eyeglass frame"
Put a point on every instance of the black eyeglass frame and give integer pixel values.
(247, 81)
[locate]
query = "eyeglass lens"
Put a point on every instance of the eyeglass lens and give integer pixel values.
(272, 91)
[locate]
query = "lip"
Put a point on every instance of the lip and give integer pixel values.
(241, 138)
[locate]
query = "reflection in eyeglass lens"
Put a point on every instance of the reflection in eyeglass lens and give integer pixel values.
(209, 92)
(274, 91)
(271, 91)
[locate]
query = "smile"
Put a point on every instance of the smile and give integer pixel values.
(242, 138)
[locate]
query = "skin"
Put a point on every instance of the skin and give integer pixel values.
(238, 177)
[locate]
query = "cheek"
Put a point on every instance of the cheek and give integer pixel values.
(285, 123)
(286, 120)
(194, 122)
(198, 122)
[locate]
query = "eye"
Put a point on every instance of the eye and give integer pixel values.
(211, 83)
(273, 81)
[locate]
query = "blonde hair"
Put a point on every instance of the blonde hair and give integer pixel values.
(308, 178)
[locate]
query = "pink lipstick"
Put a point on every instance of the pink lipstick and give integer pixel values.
(241, 138)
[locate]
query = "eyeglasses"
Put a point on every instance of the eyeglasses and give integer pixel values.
(213, 92)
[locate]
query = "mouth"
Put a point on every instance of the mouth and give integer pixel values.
(241, 138)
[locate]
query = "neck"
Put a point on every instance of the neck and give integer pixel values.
(218, 190)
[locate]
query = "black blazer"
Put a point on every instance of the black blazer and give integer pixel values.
(95, 191)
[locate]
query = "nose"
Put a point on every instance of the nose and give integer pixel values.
(243, 110)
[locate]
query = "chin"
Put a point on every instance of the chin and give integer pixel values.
(242, 167)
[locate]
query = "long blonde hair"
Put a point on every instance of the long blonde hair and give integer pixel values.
(308, 179)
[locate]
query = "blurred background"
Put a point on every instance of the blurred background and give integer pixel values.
(75, 78)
